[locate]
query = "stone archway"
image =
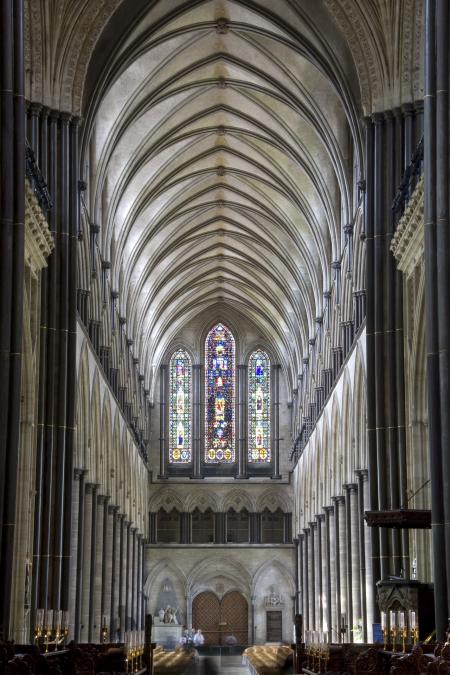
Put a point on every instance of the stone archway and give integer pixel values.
(220, 617)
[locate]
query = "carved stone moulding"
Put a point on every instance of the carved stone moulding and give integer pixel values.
(38, 238)
(408, 241)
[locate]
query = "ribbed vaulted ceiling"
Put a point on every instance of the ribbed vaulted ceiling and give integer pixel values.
(223, 148)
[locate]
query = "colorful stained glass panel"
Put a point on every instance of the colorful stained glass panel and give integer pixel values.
(259, 408)
(180, 408)
(219, 395)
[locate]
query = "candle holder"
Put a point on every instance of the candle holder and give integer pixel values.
(394, 634)
(415, 635)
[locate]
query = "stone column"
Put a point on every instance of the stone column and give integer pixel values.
(343, 582)
(98, 570)
(368, 554)
(306, 567)
(122, 572)
(242, 421)
(163, 386)
(320, 600)
(354, 561)
(127, 574)
(133, 579)
(77, 556)
(436, 217)
(115, 563)
(108, 562)
(197, 370)
(219, 527)
(138, 580)
(276, 420)
(301, 591)
(84, 579)
(312, 575)
(358, 518)
(337, 568)
(370, 344)
(330, 592)
(12, 219)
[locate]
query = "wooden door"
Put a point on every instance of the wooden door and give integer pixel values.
(220, 618)
(206, 615)
(234, 614)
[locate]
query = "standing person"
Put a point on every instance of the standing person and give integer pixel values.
(199, 638)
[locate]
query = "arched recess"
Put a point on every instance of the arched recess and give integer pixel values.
(83, 413)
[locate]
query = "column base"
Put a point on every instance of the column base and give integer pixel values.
(276, 477)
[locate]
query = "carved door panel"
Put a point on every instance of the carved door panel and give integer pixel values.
(206, 615)
(234, 614)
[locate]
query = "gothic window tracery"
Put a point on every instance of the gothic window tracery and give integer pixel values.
(259, 404)
(220, 395)
(180, 415)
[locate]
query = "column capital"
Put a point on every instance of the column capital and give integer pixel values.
(113, 509)
(65, 117)
(102, 499)
(338, 499)
(306, 531)
(320, 517)
(77, 473)
(350, 487)
(362, 473)
(312, 524)
(91, 487)
(35, 108)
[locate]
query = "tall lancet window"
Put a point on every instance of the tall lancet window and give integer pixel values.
(220, 396)
(180, 388)
(259, 407)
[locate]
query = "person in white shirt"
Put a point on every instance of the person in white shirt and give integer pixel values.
(199, 638)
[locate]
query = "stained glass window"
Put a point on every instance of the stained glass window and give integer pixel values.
(180, 408)
(219, 395)
(259, 407)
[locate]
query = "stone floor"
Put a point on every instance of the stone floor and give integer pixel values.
(226, 665)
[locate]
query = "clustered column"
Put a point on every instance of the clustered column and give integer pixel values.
(331, 566)
(437, 292)
(109, 568)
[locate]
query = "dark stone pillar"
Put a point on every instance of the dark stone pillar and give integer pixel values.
(127, 574)
(276, 420)
(79, 474)
(12, 218)
(436, 293)
(242, 421)
(114, 588)
(163, 386)
(219, 527)
(370, 349)
(133, 580)
(362, 477)
(122, 571)
(197, 370)
(300, 587)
